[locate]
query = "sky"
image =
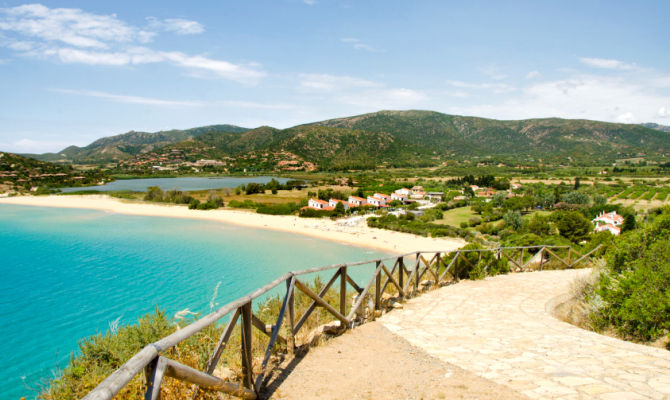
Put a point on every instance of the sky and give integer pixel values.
(74, 71)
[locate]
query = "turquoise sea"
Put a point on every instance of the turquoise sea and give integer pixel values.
(67, 274)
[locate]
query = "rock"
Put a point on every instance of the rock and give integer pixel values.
(398, 306)
(224, 373)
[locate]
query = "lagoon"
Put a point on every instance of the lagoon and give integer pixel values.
(70, 273)
(184, 184)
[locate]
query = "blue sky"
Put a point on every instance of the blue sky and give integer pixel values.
(74, 71)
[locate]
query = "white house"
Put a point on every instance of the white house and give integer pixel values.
(614, 230)
(376, 201)
(403, 191)
(611, 218)
(333, 203)
(417, 189)
(435, 196)
(385, 197)
(355, 201)
(399, 196)
(317, 204)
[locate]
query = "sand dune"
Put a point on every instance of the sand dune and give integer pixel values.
(353, 232)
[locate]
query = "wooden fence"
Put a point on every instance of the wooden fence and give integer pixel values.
(407, 276)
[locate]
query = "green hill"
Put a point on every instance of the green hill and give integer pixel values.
(549, 139)
(390, 138)
(129, 144)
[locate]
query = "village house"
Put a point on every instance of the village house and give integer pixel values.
(611, 218)
(355, 201)
(417, 189)
(333, 203)
(487, 192)
(376, 201)
(435, 196)
(317, 204)
(614, 230)
(403, 192)
(399, 197)
(385, 197)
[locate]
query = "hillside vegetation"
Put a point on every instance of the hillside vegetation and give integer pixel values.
(388, 139)
(20, 174)
(129, 144)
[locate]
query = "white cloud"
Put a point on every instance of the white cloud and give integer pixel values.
(495, 87)
(177, 25)
(607, 63)
(664, 112)
(359, 92)
(587, 96)
(493, 72)
(69, 26)
(327, 83)
(359, 45)
(130, 99)
(26, 145)
(394, 98)
(309, 2)
(75, 36)
(532, 74)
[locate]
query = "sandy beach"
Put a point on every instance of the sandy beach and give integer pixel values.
(352, 232)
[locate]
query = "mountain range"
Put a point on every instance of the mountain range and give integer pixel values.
(393, 138)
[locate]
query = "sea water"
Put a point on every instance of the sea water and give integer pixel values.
(66, 274)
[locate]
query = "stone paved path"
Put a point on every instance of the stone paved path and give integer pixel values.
(502, 329)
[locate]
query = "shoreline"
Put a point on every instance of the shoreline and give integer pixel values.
(338, 231)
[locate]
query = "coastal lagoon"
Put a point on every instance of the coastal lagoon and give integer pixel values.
(184, 184)
(69, 273)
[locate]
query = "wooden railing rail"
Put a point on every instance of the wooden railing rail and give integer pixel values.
(405, 278)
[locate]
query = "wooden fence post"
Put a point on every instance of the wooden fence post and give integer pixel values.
(378, 287)
(247, 361)
(401, 274)
(290, 345)
(343, 290)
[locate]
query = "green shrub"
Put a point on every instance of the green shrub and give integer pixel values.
(632, 294)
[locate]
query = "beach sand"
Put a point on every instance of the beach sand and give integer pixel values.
(342, 231)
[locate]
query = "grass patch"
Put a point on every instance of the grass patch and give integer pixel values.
(456, 216)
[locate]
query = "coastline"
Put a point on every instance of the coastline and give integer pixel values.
(355, 234)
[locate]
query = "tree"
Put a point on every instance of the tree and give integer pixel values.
(572, 225)
(154, 193)
(577, 183)
(498, 199)
(629, 222)
(339, 209)
(467, 191)
(545, 199)
(513, 219)
(576, 198)
(539, 225)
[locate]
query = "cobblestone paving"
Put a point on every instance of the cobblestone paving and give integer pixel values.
(502, 329)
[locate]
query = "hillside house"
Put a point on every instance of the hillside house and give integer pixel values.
(417, 190)
(376, 201)
(317, 204)
(333, 203)
(403, 192)
(399, 197)
(611, 218)
(614, 230)
(435, 196)
(355, 201)
(385, 197)
(487, 192)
